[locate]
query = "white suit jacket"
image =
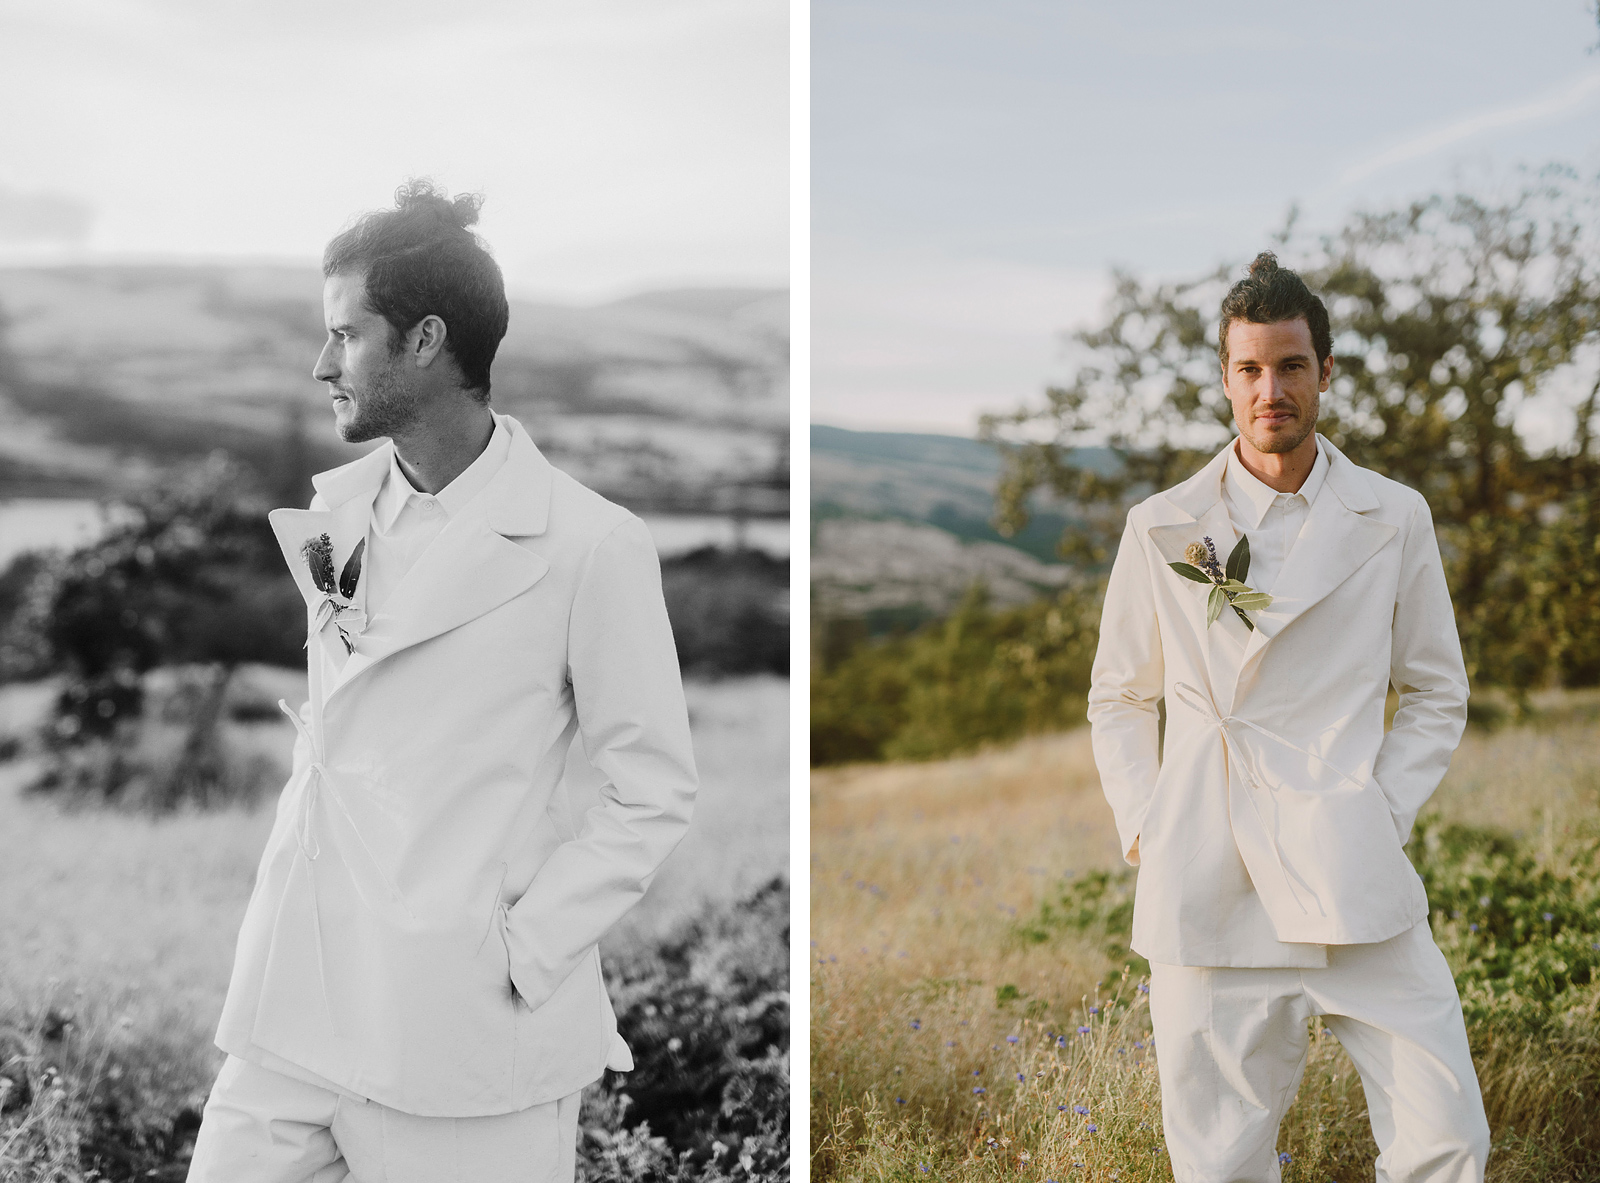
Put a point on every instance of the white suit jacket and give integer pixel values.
(1271, 821)
(424, 922)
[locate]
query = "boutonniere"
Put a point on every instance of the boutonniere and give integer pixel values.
(339, 605)
(1228, 587)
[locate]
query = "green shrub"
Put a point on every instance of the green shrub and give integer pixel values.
(980, 676)
(1522, 937)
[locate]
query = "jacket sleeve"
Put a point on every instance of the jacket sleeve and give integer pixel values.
(1425, 667)
(1125, 687)
(634, 724)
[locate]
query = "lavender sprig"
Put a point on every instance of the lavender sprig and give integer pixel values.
(1228, 588)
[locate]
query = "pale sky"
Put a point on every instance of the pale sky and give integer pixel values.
(978, 168)
(621, 144)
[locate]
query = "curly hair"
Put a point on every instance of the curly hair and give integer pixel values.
(420, 259)
(1270, 294)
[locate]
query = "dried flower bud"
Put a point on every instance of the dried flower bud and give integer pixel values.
(1195, 554)
(318, 553)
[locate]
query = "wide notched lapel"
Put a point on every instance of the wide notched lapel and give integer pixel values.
(466, 571)
(349, 491)
(471, 568)
(1337, 539)
(344, 527)
(1201, 513)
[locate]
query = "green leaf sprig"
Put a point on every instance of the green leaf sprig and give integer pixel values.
(1228, 587)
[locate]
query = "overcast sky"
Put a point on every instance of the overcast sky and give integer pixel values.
(977, 168)
(622, 144)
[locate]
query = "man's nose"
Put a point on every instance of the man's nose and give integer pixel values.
(326, 369)
(1271, 385)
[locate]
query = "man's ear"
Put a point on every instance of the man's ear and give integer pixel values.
(1327, 373)
(426, 340)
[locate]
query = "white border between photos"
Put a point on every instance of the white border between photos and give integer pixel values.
(799, 589)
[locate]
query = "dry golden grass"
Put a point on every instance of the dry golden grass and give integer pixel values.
(918, 873)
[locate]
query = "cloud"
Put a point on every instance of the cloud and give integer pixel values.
(42, 218)
(1573, 97)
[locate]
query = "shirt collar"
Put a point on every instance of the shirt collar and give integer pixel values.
(397, 491)
(1248, 489)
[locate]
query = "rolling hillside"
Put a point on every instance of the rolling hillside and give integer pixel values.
(674, 400)
(901, 526)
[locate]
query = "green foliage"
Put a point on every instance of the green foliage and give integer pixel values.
(1522, 937)
(1097, 907)
(1447, 316)
(978, 677)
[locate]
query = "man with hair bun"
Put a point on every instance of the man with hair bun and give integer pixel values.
(1271, 600)
(416, 991)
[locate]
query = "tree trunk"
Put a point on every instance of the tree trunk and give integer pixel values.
(200, 775)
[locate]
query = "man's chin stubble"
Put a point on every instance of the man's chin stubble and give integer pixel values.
(1274, 443)
(374, 422)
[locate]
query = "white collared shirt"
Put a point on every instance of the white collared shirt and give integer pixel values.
(1273, 520)
(405, 521)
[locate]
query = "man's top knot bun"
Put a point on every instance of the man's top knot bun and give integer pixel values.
(419, 196)
(1265, 266)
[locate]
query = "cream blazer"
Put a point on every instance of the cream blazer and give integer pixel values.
(1270, 821)
(423, 929)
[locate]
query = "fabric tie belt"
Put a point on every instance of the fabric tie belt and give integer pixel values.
(1239, 757)
(318, 782)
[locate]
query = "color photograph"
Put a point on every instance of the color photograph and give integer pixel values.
(1205, 593)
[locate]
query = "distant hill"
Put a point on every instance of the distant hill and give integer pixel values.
(674, 400)
(943, 480)
(901, 526)
(897, 573)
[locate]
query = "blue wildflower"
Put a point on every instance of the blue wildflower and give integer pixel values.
(1092, 1128)
(1011, 1039)
(1083, 1109)
(1083, 1030)
(1284, 1158)
(916, 1024)
(1021, 1077)
(976, 1091)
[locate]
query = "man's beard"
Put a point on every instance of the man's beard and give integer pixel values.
(1271, 443)
(382, 408)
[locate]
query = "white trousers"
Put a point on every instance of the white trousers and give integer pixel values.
(260, 1126)
(1231, 1045)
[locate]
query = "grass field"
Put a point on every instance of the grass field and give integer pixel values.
(947, 1047)
(117, 930)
